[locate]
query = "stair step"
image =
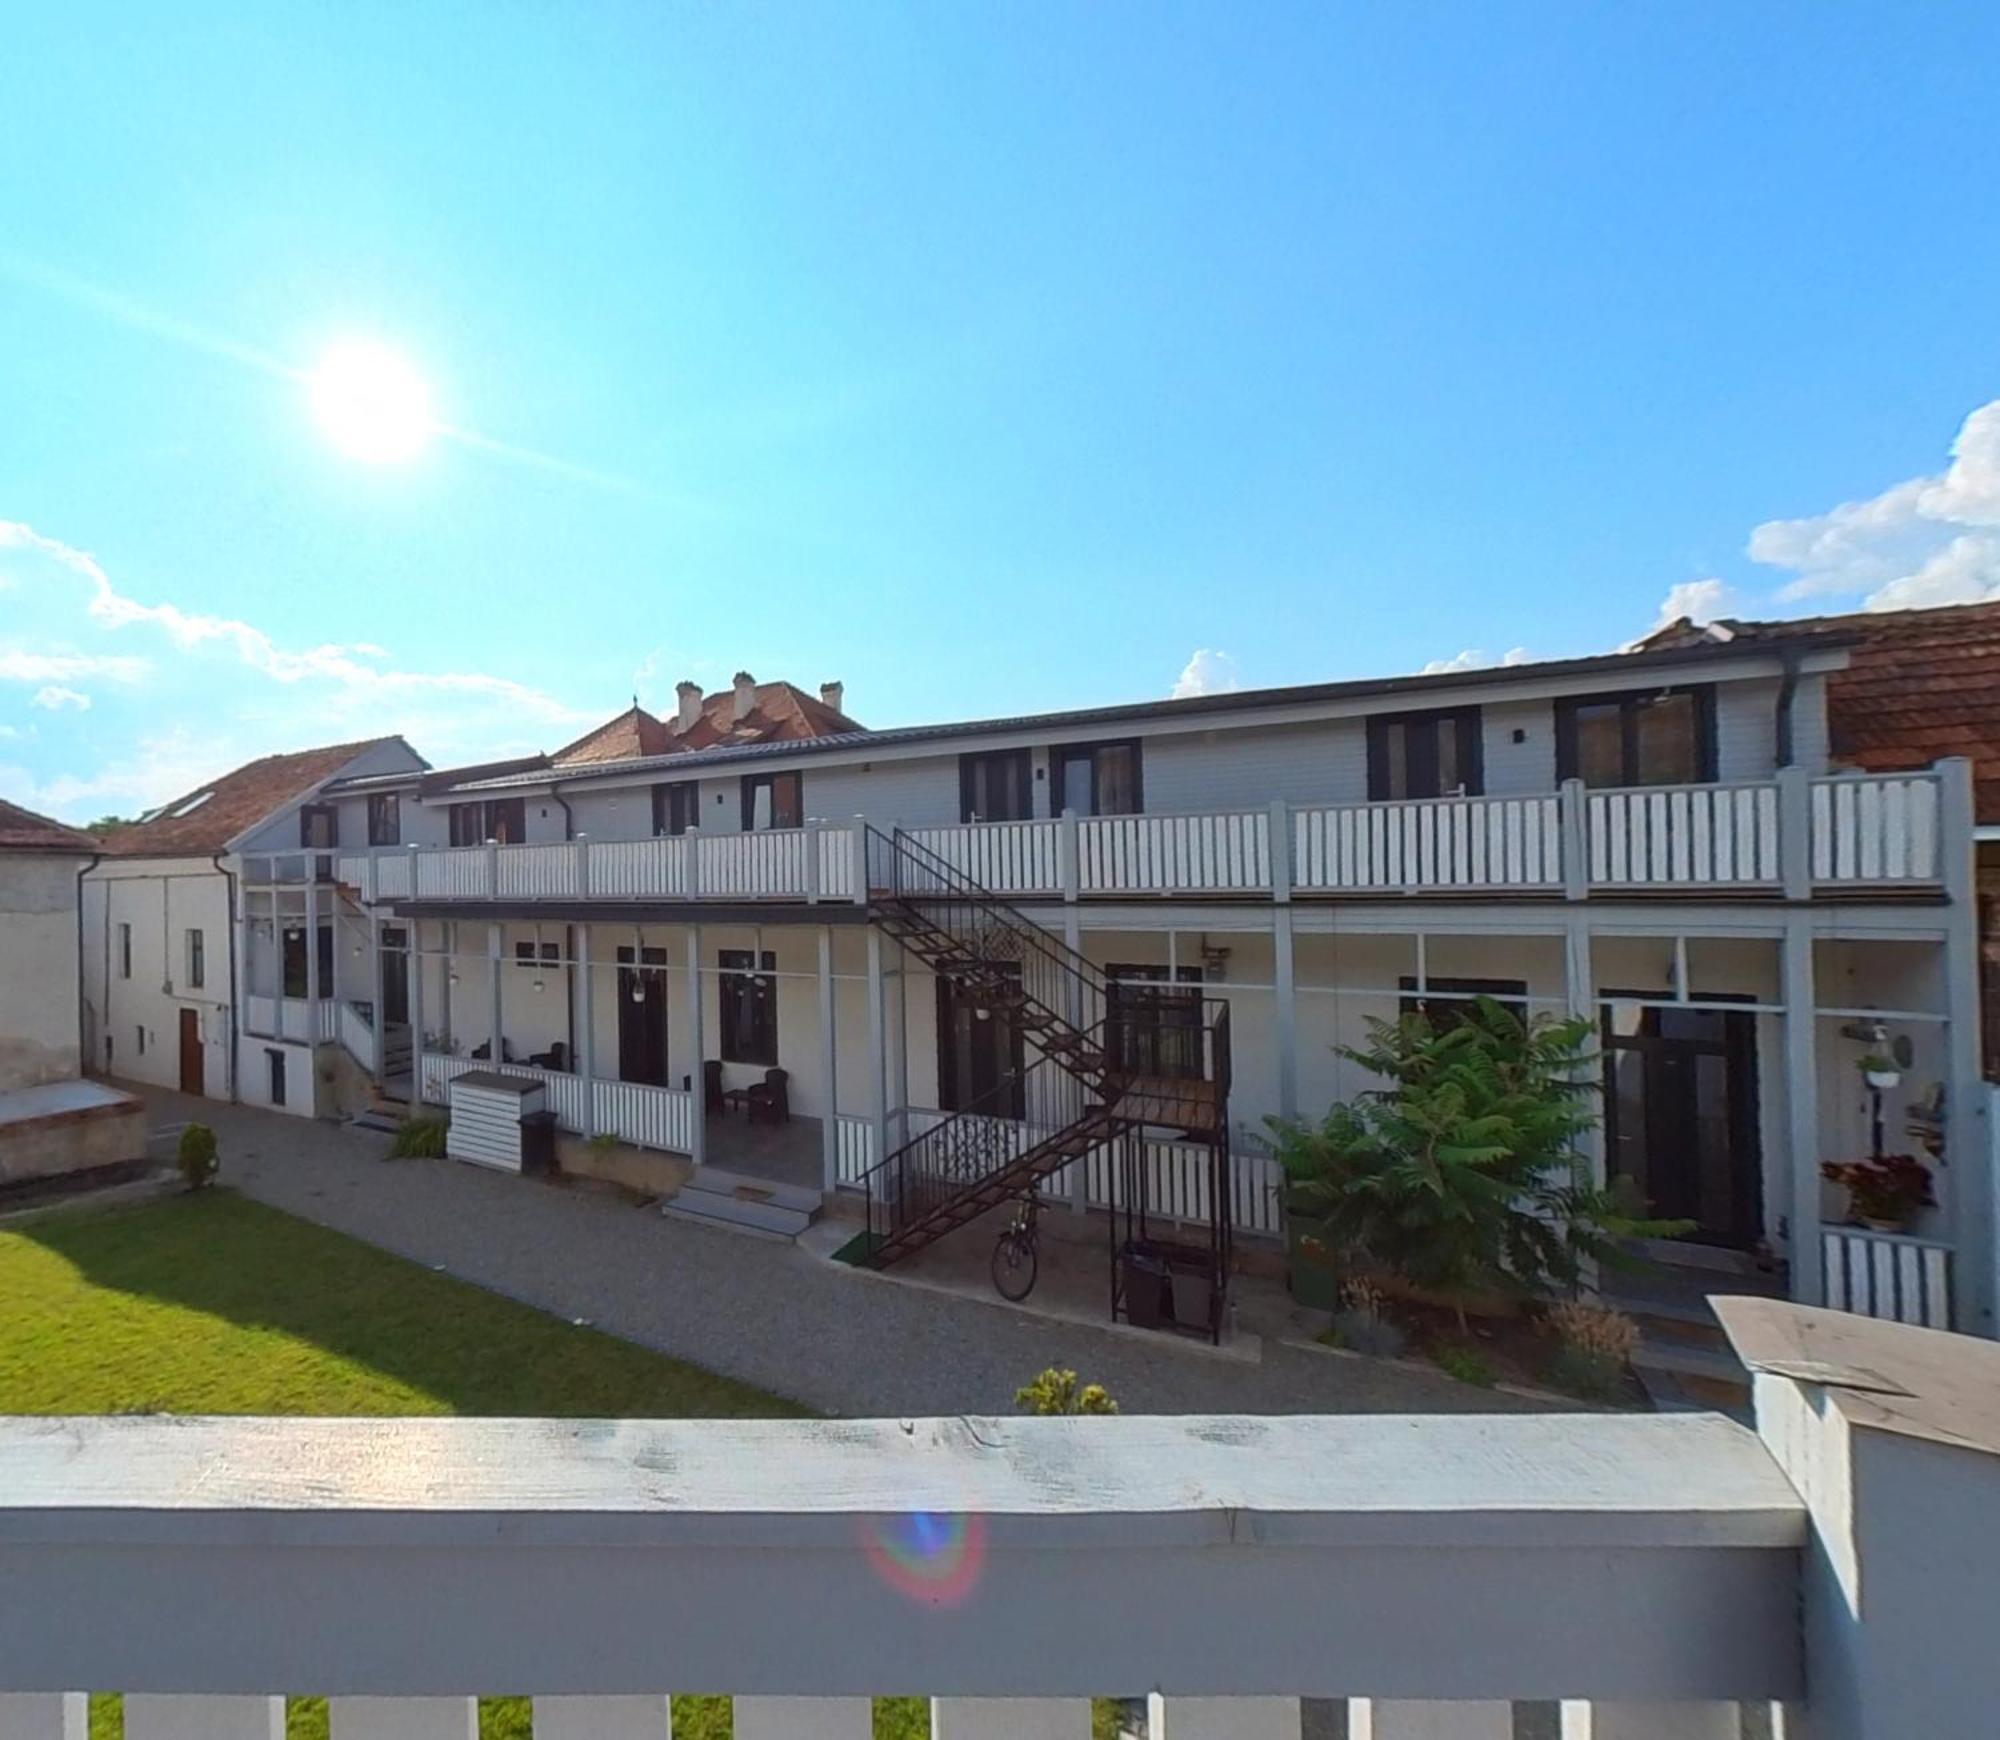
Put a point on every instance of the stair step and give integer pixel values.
(756, 1206)
(1689, 1361)
(379, 1122)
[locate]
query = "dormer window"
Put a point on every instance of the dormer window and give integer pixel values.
(1425, 755)
(1652, 737)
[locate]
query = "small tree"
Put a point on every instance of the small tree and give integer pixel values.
(1462, 1174)
(1056, 1391)
(197, 1157)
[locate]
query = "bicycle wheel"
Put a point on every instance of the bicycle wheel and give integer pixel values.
(1014, 1265)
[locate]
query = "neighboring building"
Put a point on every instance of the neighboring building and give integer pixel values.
(194, 980)
(39, 1024)
(962, 943)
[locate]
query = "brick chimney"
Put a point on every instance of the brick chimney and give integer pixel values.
(689, 697)
(746, 697)
(830, 694)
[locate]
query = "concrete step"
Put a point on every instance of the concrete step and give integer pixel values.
(376, 1119)
(756, 1206)
(1686, 1378)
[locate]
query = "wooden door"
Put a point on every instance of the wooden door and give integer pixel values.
(642, 1017)
(191, 1072)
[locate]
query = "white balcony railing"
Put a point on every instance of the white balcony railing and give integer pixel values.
(647, 1117)
(1790, 835)
(1888, 1275)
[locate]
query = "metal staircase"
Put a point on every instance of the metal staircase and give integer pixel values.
(1102, 1060)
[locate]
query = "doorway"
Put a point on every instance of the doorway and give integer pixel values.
(642, 1016)
(191, 1058)
(395, 976)
(1680, 1114)
(980, 1052)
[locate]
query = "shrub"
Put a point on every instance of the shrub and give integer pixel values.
(1888, 1189)
(1463, 1361)
(1594, 1345)
(1057, 1392)
(197, 1157)
(1363, 1324)
(420, 1139)
(1462, 1175)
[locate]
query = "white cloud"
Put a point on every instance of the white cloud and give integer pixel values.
(1924, 541)
(1208, 672)
(1700, 601)
(1473, 659)
(252, 695)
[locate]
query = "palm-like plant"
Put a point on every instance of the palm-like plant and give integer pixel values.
(1462, 1173)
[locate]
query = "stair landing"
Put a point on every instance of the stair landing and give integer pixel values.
(737, 1202)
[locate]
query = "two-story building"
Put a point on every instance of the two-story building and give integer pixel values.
(959, 942)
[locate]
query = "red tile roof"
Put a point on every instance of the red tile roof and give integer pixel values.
(781, 713)
(1919, 685)
(203, 821)
(24, 831)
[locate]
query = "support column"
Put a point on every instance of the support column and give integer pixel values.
(1580, 1003)
(698, 1119)
(1079, 1171)
(829, 1130)
(1972, 1177)
(878, 1080)
(1222, 1718)
(413, 974)
(586, 1028)
(152, 1716)
(1285, 1012)
(377, 995)
(602, 1718)
(496, 942)
(45, 1715)
(312, 960)
(1799, 996)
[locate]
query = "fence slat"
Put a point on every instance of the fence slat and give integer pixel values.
(606, 1718)
(804, 1718)
(403, 1718)
(1412, 1719)
(1010, 1719)
(154, 1716)
(1222, 1718)
(44, 1715)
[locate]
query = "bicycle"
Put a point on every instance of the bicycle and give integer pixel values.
(1015, 1252)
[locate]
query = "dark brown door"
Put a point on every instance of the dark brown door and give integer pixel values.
(191, 1079)
(642, 1017)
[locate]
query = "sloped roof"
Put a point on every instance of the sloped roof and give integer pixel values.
(204, 820)
(781, 713)
(1919, 685)
(24, 831)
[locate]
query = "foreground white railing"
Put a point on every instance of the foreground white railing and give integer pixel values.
(1790, 834)
(647, 1117)
(357, 1035)
(1891, 1275)
(598, 1566)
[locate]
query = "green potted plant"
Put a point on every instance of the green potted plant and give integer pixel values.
(1880, 1070)
(197, 1157)
(1885, 1192)
(1462, 1176)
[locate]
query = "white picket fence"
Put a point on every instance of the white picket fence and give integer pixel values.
(1668, 837)
(1006, 857)
(1875, 828)
(1504, 842)
(647, 1117)
(1890, 1275)
(357, 1035)
(1193, 854)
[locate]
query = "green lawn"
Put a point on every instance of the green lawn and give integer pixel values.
(212, 1304)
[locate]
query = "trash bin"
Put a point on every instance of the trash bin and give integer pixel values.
(538, 1143)
(1143, 1277)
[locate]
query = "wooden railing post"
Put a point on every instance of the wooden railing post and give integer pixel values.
(1069, 858)
(1795, 832)
(492, 869)
(582, 848)
(1574, 839)
(858, 845)
(693, 838)
(812, 862)
(1280, 849)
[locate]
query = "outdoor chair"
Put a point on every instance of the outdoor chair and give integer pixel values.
(769, 1101)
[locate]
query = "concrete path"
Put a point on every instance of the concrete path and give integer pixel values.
(770, 1314)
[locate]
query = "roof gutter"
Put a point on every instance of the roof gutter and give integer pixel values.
(229, 878)
(82, 978)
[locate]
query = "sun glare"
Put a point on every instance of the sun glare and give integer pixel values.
(371, 403)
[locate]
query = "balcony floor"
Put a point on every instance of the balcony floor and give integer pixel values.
(783, 1153)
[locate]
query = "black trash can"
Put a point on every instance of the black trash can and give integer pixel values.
(1143, 1272)
(538, 1143)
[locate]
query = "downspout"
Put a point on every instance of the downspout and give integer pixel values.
(235, 1014)
(569, 943)
(84, 1060)
(1788, 689)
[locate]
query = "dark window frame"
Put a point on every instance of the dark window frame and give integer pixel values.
(751, 783)
(124, 950)
(676, 807)
(1630, 703)
(327, 813)
(1468, 725)
(1020, 768)
(755, 1041)
(1163, 1049)
(1456, 993)
(957, 1096)
(195, 948)
(502, 819)
(1064, 753)
(525, 955)
(385, 818)
(275, 1063)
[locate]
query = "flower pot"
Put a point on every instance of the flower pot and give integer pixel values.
(1882, 1079)
(1884, 1223)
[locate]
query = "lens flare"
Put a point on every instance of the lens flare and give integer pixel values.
(931, 1557)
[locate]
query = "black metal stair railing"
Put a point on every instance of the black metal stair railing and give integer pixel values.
(1029, 1124)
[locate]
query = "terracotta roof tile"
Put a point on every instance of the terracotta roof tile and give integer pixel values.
(206, 819)
(782, 713)
(24, 831)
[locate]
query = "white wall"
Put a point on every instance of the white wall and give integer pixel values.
(39, 993)
(161, 899)
(279, 832)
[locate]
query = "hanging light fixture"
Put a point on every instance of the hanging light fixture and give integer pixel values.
(538, 958)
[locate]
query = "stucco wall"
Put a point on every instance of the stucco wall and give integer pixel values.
(39, 995)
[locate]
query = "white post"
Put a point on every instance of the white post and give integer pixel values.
(812, 862)
(403, 1718)
(153, 1716)
(492, 869)
(583, 866)
(377, 995)
(413, 972)
(1285, 1014)
(1694, 1721)
(1069, 857)
(878, 1061)
(1079, 1171)
(45, 1715)
(1795, 832)
(312, 958)
(603, 1718)
(1010, 1719)
(1222, 1718)
(693, 838)
(1575, 838)
(804, 1718)
(858, 844)
(586, 1029)
(1970, 1180)
(496, 943)
(829, 1132)
(1797, 993)
(698, 1122)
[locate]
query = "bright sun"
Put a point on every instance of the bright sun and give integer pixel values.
(373, 405)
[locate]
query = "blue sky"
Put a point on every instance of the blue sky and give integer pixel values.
(984, 357)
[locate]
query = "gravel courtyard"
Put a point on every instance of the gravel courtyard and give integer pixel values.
(766, 1313)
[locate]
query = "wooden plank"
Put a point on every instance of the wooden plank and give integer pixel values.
(1010, 1719)
(403, 1718)
(1689, 1721)
(1412, 1719)
(152, 1716)
(803, 1719)
(44, 1716)
(613, 1718)
(1222, 1718)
